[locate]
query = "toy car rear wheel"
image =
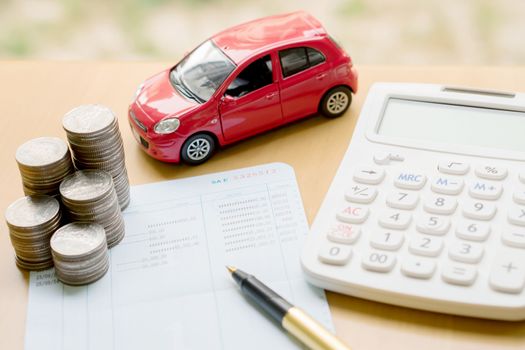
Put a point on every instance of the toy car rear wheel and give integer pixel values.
(335, 102)
(197, 149)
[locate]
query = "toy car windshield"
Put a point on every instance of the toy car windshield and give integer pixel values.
(201, 72)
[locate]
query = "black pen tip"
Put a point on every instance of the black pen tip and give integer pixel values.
(231, 268)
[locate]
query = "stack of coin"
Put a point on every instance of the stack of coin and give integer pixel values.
(96, 143)
(32, 220)
(43, 164)
(80, 253)
(89, 196)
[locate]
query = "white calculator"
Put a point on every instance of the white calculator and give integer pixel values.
(427, 209)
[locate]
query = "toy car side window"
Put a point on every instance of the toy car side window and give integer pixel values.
(314, 57)
(255, 76)
(297, 59)
(293, 60)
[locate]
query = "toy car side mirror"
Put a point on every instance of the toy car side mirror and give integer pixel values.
(228, 100)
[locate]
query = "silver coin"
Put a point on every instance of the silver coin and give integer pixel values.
(88, 119)
(41, 151)
(32, 211)
(77, 239)
(86, 185)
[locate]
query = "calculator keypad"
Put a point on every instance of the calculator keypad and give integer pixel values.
(417, 267)
(451, 226)
(508, 273)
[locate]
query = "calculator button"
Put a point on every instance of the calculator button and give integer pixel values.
(397, 220)
(516, 216)
(491, 172)
(410, 180)
(474, 209)
(353, 214)
(402, 200)
(360, 194)
(343, 233)
(466, 252)
(447, 185)
(440, 204)
(378, 261)
(425, 245)
(335, 254)
(369, 175)
(382, 158)
(413, 266)
(514, 236)
(508, 273)
(519, 196)
(387, 240)
(472, 230)
(452, 167)
(485, 190)
(432, 224)
(459, 274)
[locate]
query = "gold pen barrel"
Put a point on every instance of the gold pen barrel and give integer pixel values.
(310, 332)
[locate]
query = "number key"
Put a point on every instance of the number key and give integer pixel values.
(396, 220)
(425, 245)
(387, 240)
(334, 254)
(440, 204)
(432, 224)
(472, 230)
(473, 209)
(466, 252)
(378, 261)
(402, 200)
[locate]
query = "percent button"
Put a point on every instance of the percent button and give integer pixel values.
(491, 172)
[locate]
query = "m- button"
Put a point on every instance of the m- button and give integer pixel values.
(410, 180)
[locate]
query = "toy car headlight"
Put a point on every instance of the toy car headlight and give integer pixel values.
(167, 126)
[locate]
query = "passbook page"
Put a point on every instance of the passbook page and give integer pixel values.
(168, 288)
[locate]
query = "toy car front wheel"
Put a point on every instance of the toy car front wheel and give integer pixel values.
(335, 102)
(197, 149)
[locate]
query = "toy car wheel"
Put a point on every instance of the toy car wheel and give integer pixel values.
(198, 149)
(335, 102)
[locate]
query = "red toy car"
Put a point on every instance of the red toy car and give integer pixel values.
(243, 81)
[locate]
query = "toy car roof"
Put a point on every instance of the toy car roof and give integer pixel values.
(244, 40)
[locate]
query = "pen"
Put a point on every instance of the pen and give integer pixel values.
(294, 320)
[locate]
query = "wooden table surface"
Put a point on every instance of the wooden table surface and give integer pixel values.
(35, 95)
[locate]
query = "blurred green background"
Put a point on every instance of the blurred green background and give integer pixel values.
(442, 32)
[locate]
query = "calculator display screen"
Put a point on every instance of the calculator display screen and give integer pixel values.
(453, 124)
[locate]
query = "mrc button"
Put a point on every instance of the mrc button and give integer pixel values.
(410, 180)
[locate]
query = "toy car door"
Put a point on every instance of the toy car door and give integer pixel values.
(305, 75)
(251, 102)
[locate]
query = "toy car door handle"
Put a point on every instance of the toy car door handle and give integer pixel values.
(320, 76)
(271, 95)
